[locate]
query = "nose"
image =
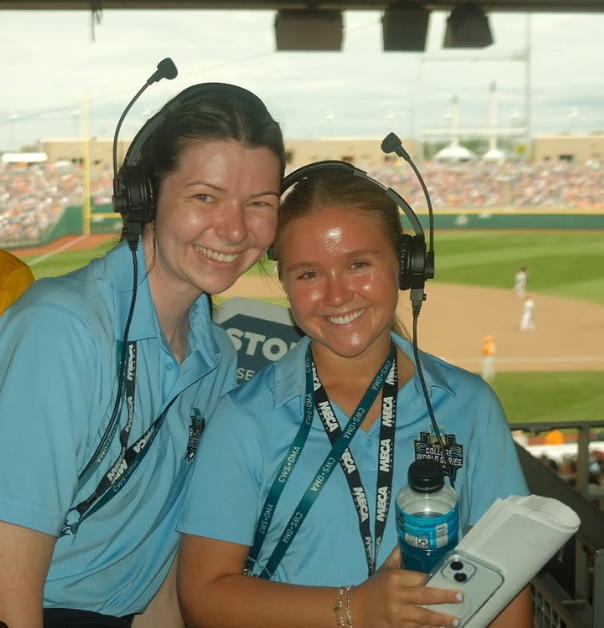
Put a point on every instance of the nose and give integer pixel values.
(337, 291)
(231, 222)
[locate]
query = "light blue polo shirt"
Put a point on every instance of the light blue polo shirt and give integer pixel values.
(254, 426)
(58, 381)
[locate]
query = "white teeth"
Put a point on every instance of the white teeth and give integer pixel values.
(219, 257)
(348, 318)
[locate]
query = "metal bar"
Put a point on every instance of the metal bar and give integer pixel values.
(549, 425)
(581, 570)
(582, 459)
(598, 590)
(554, 609)
(564, 6)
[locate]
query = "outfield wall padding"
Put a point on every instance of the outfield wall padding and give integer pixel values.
(462, 219)
(520, 219)
(71, 221)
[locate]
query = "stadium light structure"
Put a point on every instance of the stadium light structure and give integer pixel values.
(467, 27)
(308, 29)
(405, 27)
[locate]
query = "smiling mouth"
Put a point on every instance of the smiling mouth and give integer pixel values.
(345, 319)
(215, 255)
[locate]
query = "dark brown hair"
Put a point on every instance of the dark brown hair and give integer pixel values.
(210, 112)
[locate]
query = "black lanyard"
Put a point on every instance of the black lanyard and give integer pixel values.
(128, 460)
(338, 448)
(99, 456)
(385, 464)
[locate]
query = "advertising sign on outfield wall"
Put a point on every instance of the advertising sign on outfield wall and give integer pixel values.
(261, 332)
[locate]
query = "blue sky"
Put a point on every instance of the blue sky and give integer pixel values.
(51, 68)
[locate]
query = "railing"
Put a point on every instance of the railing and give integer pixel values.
(569, 591)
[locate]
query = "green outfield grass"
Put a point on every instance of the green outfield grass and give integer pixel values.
(551, 396)
(61, 263)
(561, 263)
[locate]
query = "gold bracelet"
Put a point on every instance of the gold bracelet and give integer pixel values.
(338, 608)
(348, 608)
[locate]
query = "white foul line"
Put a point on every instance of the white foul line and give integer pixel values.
(551, 359)
(61, 248)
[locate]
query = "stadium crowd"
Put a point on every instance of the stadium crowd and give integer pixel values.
(545, 185)
(562, 457)
(32, 198)
(567, 469)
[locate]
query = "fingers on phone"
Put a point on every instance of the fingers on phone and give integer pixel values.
(432, 618)
(442, 596)
(440, 604)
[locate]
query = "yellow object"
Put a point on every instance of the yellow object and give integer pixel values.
(15, 278)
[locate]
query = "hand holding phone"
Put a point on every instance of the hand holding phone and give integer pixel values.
(476, 579)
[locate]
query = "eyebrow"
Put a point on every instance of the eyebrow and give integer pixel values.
(301, 266)
(206, 183)
(219, 189)
(351, 255)
(268, 192)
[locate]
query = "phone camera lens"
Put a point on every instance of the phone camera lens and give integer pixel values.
(460, 577)
(457, 565)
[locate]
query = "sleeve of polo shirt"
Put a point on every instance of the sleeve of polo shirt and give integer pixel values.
(222, 497)
(497, 472)
(47, 378)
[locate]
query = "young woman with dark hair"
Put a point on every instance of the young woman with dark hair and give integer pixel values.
(96, 448)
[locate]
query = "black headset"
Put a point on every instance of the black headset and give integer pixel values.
(416, 262)
(134, 186)
(134, 195)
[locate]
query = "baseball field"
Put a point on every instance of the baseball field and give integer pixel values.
(553, 373)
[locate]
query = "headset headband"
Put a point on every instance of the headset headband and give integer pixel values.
(293, 177)
(188, 95)
(416, 265)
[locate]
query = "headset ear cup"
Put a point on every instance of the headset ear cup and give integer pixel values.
(136, 200)
(150, 207)
(404, 247)
(119, 200)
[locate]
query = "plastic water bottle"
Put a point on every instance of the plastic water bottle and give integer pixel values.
(427, 518)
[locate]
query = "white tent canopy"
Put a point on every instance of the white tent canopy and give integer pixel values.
(494, 155)
(24, 158)
(454, 153)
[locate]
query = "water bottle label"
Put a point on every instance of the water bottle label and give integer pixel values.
(427, 531)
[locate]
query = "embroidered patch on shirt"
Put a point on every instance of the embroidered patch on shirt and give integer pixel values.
(428, 447)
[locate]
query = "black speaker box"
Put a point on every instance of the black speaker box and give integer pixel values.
(308, 29)
(405, 29)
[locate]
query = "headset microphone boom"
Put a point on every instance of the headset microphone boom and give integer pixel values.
(125, 200)
(132, 230)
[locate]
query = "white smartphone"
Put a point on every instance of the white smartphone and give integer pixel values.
(476, 579)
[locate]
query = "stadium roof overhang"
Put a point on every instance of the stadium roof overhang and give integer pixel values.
(318, 25)
(596, 6)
